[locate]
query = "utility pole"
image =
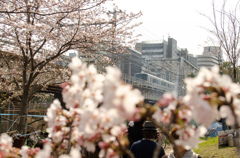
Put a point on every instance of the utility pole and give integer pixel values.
(177, 88)
(117, 58)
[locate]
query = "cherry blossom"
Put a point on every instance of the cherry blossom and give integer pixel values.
(223, 91)
(5, 143)
(209, 97)
(46, 152)
(189, 136)
(75, 153)
(98, 106)
(23, 152)
(93, 118)
(226, 112)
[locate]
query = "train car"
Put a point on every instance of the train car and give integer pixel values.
(154, 81)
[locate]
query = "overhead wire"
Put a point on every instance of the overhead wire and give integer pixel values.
(153, 34)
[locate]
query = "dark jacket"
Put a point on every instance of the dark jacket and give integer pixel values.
(145, 149)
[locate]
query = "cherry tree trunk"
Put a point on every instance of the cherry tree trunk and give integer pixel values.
(22, 126)
(234, 73)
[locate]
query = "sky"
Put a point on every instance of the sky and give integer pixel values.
(179, 19)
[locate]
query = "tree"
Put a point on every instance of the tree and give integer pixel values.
(226, 29)
(228, 69)
(37, 32)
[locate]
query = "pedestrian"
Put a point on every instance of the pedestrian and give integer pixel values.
(183, 153)
(145, 147)
(134, 132)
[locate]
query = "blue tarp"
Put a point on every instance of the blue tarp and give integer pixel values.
(217, 126)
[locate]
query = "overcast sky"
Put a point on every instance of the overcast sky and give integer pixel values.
(179, 19)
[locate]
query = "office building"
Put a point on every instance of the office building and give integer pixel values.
(160, 58)
(158, 48)
(211, 56)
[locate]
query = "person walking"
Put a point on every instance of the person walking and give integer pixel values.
(145, 148)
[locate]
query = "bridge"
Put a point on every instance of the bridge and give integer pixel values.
(151, 91)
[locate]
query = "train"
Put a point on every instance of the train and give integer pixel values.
(151, 81)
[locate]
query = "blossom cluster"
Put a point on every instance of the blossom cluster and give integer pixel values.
(5, 143)
(209, 97)
(210, 91)
(172, 112)
(96, 107)
(7, 149)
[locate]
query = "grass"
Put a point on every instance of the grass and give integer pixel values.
(210, 149)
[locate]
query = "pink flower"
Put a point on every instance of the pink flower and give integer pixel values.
(76, 64)
(90, 146)
(189, 136)
(23, 152)
(5, 143)
(46, 152)
(157, 115)
(185, 114)
(225, 112)
(166, 99)
(57, 136)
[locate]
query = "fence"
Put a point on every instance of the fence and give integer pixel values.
(9, 119)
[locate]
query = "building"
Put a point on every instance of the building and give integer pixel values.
(211, 56)
(192, 60)
(159, 56)
(131, 62)
(167, 61)
(74, 54)
(63, 60)
(154, 49)
(158, 48)
(216, 51)
(189, 57)
(172, 49)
